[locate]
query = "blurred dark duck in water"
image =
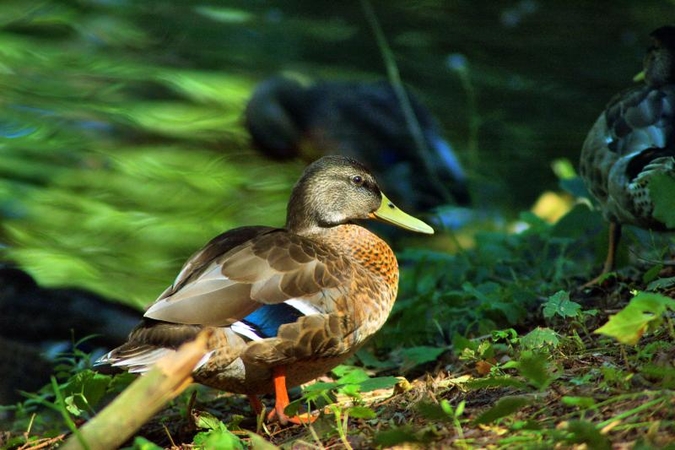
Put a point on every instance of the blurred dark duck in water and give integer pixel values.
(632, 141)
(36, 324)
(362, 120)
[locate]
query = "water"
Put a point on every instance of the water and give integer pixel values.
(122, 148)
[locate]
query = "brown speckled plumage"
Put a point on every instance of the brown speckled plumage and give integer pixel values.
(334, 281)
(633, 139)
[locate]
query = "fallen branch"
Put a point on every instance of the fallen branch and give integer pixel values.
(118, 422)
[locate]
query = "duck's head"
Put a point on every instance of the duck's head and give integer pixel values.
(659, 62)
(335, 190)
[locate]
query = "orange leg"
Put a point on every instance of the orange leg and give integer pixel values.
(610, 261)
(282, 401)
(614, 238)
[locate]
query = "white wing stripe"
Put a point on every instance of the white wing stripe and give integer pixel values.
(245, 330)
(303, 306)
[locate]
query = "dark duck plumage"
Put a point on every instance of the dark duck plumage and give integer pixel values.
(32, 341)
(287, 304)
(632, 140)
(364, 121)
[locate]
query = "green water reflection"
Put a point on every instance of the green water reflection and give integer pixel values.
(122, 146)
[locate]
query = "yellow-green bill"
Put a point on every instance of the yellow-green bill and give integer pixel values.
(390, 213)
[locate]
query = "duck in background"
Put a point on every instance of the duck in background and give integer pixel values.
(632, 141)
(37, 325)
(362, 120)
(286, 305)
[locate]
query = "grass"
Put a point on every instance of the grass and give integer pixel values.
(550, 372)
(491, 342)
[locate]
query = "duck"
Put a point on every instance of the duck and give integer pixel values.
(285, 305)
(633, 140)
(32, 343)
(364, 120)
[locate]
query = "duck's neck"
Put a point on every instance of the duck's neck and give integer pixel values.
(660, 68)
(359, 244)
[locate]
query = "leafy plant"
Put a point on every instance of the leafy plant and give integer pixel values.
(644, 312)
(216, 434)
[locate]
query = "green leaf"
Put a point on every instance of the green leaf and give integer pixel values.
(581, 402)
(372, 384)
(217, 436)
(396, 436)
(661, 283)
(84, 390)
(458, 411)
(72, 407)
(433, 411)
(362, 412)
(218, 439)
(661, 188)
(504, 407)
(260, 443)
(563, 169)
(540, 337)
(535, 369)
(371, 361)
(352, 390)
(482, 383)
(208, 421)
(509, 335)
(350, 375)
(560, 304)
(652, 275)
(583, 432)
(644, 310)
(225, 15)
(416, 356)
(141, 443)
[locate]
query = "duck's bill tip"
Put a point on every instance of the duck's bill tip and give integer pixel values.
(390, 213)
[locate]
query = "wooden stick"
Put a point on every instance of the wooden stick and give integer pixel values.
(118, 422)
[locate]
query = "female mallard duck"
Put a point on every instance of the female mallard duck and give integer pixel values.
(365, 121)
(632, 140)
(286, 304)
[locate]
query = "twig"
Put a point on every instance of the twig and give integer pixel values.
(142, 399)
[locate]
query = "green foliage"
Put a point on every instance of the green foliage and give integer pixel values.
(491, 286)
(399, 435)
(559, 304)
(534, 367)
(351, 381)
(124, 149)
(614, 378)
(645, 311)
(75, 393)
(418, 355)
(581, 402)
(140, 443)
(123, 152)
(503, 408)
(83, 391)
(540, 338)
(583, 432)
(444, 412)
(216, 435)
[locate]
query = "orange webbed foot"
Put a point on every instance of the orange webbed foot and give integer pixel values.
(284, 419)
(282, 401)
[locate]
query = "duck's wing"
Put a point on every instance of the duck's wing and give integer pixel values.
(641, 119)
(281, 274)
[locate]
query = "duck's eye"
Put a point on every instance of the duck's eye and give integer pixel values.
(357, 180)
